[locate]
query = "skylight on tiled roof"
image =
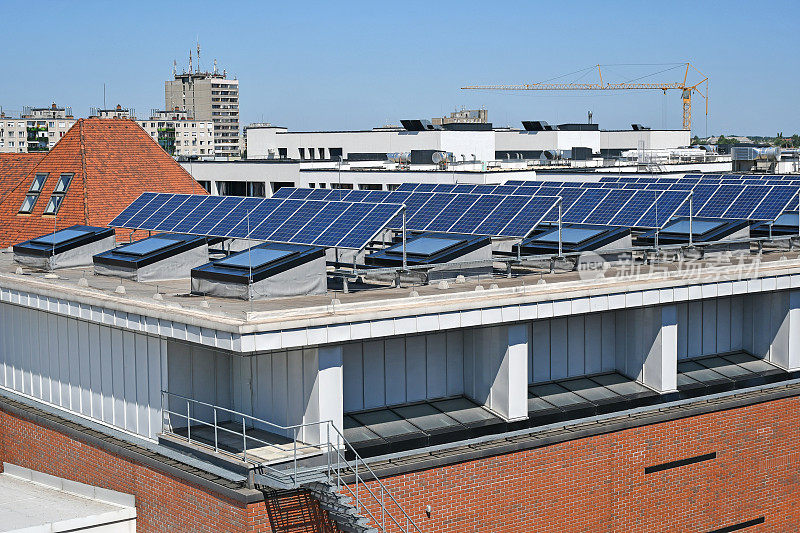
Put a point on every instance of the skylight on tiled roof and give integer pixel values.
(33, 193)
(58, 194)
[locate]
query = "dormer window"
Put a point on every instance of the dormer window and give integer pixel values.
(33, 192)
(58, 194)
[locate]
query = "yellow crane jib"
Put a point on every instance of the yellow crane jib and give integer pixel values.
(701, 88)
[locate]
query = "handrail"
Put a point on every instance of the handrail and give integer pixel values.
(332, 470)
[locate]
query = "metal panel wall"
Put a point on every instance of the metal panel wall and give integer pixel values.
(103, 373)
(402, 370)
(716, 325)
(574, 346)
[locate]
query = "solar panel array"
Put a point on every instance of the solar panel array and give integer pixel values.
(712, 197)
(476, 214)
(615, 207)
(329, 224)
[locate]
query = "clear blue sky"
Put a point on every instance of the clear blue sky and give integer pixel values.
(342, 65)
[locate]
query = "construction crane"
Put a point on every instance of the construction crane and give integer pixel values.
(683, 86)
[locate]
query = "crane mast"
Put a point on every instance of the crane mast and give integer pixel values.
(687, 91)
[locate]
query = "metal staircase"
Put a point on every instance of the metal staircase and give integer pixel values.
(291, 464)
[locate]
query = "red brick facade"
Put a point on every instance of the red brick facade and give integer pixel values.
(599, 483)
(591, 484)
(164, 503)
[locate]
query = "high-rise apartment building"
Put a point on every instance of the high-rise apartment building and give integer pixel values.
(209, 96)
(37, 129)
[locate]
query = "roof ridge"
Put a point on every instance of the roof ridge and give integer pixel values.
(83, 172)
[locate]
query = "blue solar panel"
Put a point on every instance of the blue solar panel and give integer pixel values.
(197, 214)
(252, 218)
(746, 202)
(459, 189)
(300, 194)
(424, 187)
(228, 221)
(662, 211)
(607, 209)
(282, 220)
(634, 208)
(408, 187)
(351, 216)
(376, 197)
(186, 207)
(298, 219)
(215, 215)
(483, 189)
(138, 204)
(318, 194)
(720, 201)
(356, 196)
(283, 192)
(779, 199)
(369, 226)
(267, 227)
(146, 212)
(445, 220)
(476, 214)
(425, 214)
(444, 187)
(502, 215)
(529, 216)
(588, 201)
(321, 222)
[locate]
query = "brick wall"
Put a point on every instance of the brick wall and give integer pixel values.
(164, 503)
(599, 483)
(591, 484)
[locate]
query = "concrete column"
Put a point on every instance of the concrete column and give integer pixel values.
(497, 370)
(328, 392)
(649, 353)
(510, 388)
(791, 361)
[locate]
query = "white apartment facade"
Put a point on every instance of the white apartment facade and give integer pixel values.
(180, 135)
(35, 130)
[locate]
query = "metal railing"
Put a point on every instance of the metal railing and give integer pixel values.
(336, 469)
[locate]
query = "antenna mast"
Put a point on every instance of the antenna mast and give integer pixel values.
(198, 54)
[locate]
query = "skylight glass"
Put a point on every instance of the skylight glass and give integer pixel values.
(146, 246)
(256, 257)
(570, 235)
(54, 204)
(61, 236)
(698, 227)
(38, 182)
(63, 183)
(428, 245)
(28, 203)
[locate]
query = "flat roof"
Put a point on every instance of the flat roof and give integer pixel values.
(229, 314)
(26, 504)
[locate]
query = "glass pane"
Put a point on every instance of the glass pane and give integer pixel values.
(38, 182)
(53, 204)
(28, 203)
(63, 183)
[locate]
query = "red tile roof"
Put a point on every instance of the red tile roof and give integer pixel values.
(113, 162)
(14, 167)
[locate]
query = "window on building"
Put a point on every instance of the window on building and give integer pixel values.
(58, 194)
(302, 153)
(34, 192)
(321, 153)
(283, 153)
